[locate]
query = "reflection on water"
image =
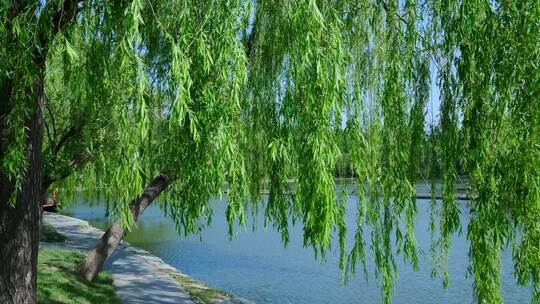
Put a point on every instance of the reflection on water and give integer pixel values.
(255, 265)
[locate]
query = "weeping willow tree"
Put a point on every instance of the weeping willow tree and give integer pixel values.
(228, 97)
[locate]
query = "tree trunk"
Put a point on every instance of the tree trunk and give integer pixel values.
(19, 224)
(94, 261)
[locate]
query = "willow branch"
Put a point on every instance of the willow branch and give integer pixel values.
(70, 133)
(400, 17)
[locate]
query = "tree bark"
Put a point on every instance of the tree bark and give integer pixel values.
(94, 261)
(19, 224)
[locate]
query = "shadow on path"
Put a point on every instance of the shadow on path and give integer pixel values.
(138, 276)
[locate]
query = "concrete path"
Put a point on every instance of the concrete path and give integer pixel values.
(138, 276)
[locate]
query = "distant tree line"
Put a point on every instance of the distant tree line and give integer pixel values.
(429, 166)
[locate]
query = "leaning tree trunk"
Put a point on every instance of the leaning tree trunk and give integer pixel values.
(19, 224)
(94, 261)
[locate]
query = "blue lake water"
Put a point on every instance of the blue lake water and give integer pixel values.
(256, 266)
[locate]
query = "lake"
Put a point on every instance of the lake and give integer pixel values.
(256, 266)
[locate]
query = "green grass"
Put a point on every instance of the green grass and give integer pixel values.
(199, 291)
(50, 235)
(57, 282)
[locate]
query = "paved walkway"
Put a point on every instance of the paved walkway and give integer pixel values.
(138, 276)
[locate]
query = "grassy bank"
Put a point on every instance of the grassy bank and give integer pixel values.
(57, 281)
(199, 291)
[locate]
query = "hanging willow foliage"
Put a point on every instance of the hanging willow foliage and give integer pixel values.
(241, 95)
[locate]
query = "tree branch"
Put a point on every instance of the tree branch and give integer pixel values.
(78, 161)
(70, 8)
(71, 132)
(251, 40)
(387, 9)
(53, 122)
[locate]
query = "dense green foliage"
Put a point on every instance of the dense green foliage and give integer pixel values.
(58, 283)
(233, 95)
